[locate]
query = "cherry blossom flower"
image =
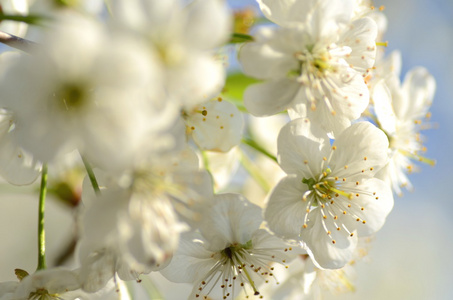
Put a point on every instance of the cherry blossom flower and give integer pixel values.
(330, 195)
(313, 64)
(400, 109)
(84, 90)
(230, 253)
(49, 284)
(143, 212)
(183, 36)
(215, 125)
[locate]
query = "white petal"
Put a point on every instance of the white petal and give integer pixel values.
(17, 166)
(262, 61)
(285, 211)
(97, 269)
(361, 38)
(218, 128)
(197, 80)
(418, 90)
(320, 14)
(301, 147)
(208, 24)
(322, 250)
(376, 199)
(271, 97)
(360, 147)
(191, 262)
(231, 220)
(382, 100)
(55, 281)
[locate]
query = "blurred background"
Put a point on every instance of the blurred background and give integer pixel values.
(411, 257)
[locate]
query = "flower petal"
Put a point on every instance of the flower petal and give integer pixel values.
(372, 206)
(285, 210)
(231, 220)
(382, 100)
(271, 97)
(360, 147)
(301, 147)
(328, 251)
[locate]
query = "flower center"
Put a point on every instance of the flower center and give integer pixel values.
(314, 63)
(71, 96)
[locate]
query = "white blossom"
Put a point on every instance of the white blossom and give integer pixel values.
(400, 110)
(142, 213)
(313, 64)
(82, 90)
(230, 253)
(215, 125)
(330, 195)
(49, 284)
(184, 37)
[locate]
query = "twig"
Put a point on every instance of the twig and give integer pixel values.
(17, 42)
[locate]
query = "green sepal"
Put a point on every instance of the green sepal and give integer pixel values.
(20, 274)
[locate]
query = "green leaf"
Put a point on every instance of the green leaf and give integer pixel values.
(236, 84)
(240, 38)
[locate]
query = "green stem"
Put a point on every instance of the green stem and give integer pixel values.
(240, 38)
(92, 177)
(30, 19)
(41, 230)
(258, 148)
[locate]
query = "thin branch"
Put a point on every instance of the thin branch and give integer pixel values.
(17, 42)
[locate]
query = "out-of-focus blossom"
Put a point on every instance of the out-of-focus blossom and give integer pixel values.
(215, 125)
(183, 37)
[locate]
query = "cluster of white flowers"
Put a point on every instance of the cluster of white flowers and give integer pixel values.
(135, 95)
